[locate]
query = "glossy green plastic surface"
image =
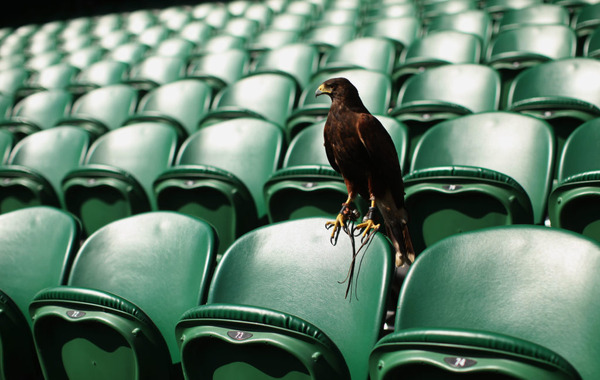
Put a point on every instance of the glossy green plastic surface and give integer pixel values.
(528, 282)
(292, 269)
(130, 283)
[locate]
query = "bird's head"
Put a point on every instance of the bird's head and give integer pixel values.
(337, 88)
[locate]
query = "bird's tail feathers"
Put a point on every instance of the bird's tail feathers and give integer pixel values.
(397, 231)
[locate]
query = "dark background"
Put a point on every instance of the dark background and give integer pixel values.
(21, 12)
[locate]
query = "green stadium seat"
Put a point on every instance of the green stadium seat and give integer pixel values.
(501, 303)
(197, 32)
(103, 109)
(174, 47)
(445, 92)
(219, 69)
(475, 21)
(85, 57)
(241, 27)
(266, 96)
(77, 42)
(563, 92)
(58, 76)
(309, 9)
(369, 53)
(374, 88)
(41, 61)
(260, 12)
(130, 53)
(181, 104)
(307, 186)
(114, 39)
(41, 45)
(436, 49)
(290, 22)
(6, 143)
(106, 24)
(339, 16)
(37, 247)
(498, 8)
(216, 15)
(298, 60)
(155, 70)
(270, 308)
(174, 17)
(12, 62)
(129, 285)
(401, 30)
(37, 166)
(391, 10)
(432, 9)
(220, 43)
(477, 171)
(591, 48)
(153, 35)
(573, 202)
(99, 74)
(116, 178)
(272, 39)
(6, 106)
(38, 111)
(219, 175)
(12, 79)
(538, 14)
(586, 20)
(328, 37)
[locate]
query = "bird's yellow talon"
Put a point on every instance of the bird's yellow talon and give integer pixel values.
(368, 226)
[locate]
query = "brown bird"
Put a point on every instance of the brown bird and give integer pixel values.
(362, 151)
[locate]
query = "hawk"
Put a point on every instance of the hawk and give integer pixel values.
(362, 151)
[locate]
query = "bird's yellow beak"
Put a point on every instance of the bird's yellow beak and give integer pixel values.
(322, 90)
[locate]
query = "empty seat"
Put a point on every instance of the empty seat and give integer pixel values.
(41, 61)
(37, 247)
(298, 60)
(38, 111)
(586, 20)
(266, 96)
(197, 32)
(219, 175)
(99, 74)
(103, 109)
(436, 49)
(115, 180)
(174, 47)
(6, 105)
(85, 57)
(498, 8)
(12, 79)
(328, 37)
(475, 21)
(500, 174)
(538, 14)
(220, 43)
(181, 104)
(272, 39)
(505, 302)
(38, 164)
(564, 92)
(129, 284)
(130, 53)
(58, 76)
(401, 30)
(445, 92)
(307, 185)
(155, 71)
(374, 88)
(272, 296)
(219, 69)
(432, 9)
(370, 53)
(241, 27)
(592, 45)
(573, 202)
(153, 35)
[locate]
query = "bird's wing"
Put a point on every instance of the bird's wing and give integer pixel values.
(329, 149)
(382, 153)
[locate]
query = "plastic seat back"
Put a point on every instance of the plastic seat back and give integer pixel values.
(298, 60)
(567, 100)
(219, 175)
(37, 166)
(573, 203)
(118, 172)
(37, 247)
(500, 174)
(38, 111)
(155, 71)
(219, 69)
(286, 292)
(514, 281)
(538, 14)
(474, 21)
(6, 144)
(266, 96)
(103, 109)
(130, 283)
(181, 104)
(377, 54)
(402, 30)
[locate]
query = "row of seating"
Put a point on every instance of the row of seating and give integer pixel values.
(470, 172)
(141, 298)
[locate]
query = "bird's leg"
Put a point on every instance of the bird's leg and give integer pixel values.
(346, 213)
(368, 223)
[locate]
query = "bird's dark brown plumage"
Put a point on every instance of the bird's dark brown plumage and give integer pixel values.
(360, 148)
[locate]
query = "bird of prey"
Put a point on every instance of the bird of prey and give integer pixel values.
(362, 151)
